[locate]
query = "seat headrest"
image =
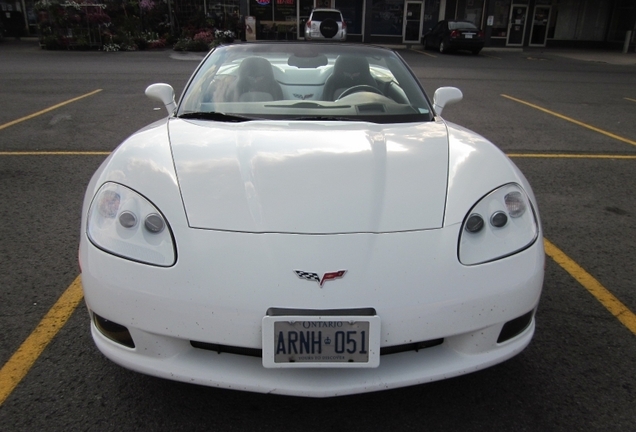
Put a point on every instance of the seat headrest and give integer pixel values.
(255, 67)
(351, 65)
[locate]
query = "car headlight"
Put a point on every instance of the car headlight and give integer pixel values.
(124, 223)
(501, 224)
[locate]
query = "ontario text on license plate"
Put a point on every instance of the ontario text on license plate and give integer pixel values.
(321, 341)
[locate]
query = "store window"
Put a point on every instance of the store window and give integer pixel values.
(262, 10)
(275, 19)
(431, 14)
(470, 10)
(501, 17)
(225, 14)
(386, 17)
(285, 10)
(352, 14)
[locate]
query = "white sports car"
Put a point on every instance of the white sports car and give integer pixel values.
(305, 223)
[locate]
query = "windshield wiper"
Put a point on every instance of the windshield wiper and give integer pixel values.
(216, 116)
(327, 118)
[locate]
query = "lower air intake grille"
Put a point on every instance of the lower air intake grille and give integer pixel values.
(255, 352)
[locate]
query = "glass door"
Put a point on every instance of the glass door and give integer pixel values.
(412, 22)
(517, 25)
(540, 22)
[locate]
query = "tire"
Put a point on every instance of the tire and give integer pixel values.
(476, 51)
(328, 28)
(443, 48)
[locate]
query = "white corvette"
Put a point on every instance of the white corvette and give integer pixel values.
(305, 223)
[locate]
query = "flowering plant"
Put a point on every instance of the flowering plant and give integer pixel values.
(224, 34)
(205, 37)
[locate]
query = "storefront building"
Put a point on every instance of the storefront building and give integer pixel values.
(507, 23)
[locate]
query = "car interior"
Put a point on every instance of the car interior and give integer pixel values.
(345, 85)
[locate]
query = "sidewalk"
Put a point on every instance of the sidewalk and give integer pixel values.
(598, 56)
(591, 55)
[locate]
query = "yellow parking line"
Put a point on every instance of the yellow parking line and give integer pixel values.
(569, 156)
(55, 153)
(630, 99)
(20, 363)
(561, 116)
(424, 52)
(11, 123)
(602, 294)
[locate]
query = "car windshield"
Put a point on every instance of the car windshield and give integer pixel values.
(299, 81)
(461, 25)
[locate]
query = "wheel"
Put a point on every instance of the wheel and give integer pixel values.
(476, 51)
(425, 43)
(442, 47)
(359, 88)
(329, 28)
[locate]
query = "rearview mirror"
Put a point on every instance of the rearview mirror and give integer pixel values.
(163, 93)
(445, 96)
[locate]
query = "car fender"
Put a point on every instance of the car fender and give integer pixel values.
(143, 162)
(476, 167)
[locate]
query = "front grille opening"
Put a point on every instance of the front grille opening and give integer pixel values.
(515, 327)
(113, 331)
(415, 346)
(251, 352)
(255, 352)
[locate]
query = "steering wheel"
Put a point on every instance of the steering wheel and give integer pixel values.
(359, 88)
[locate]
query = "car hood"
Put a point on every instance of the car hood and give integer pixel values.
(311, 177)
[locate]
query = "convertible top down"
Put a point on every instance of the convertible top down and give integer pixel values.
(304, 222)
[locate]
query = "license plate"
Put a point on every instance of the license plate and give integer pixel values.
(321, 341)
(468, 35)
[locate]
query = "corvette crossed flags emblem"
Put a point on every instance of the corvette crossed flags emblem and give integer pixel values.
(316, 278)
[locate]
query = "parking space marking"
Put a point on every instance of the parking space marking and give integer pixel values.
(569, 156)
(602, 294)
(630, 99)
(424, 52)
(44, 111)
(55, 153)
(23, 359)
(580, 123)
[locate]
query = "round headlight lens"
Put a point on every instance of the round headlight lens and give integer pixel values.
(154, 223)
(127, 219)
(474, 223)
(499, 219)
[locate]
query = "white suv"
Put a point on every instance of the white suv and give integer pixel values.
(326, 24)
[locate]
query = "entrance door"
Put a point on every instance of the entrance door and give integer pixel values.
(412, 31)
(517, 25)
(540, 22)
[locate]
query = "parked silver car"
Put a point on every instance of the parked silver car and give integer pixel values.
(326, 24)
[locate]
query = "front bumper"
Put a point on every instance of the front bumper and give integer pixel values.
(218, 295)
(178, 360)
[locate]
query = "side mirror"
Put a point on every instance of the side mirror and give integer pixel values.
(445, 96)
(163, 93)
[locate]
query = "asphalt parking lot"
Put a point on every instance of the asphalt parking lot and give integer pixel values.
(567, 122)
